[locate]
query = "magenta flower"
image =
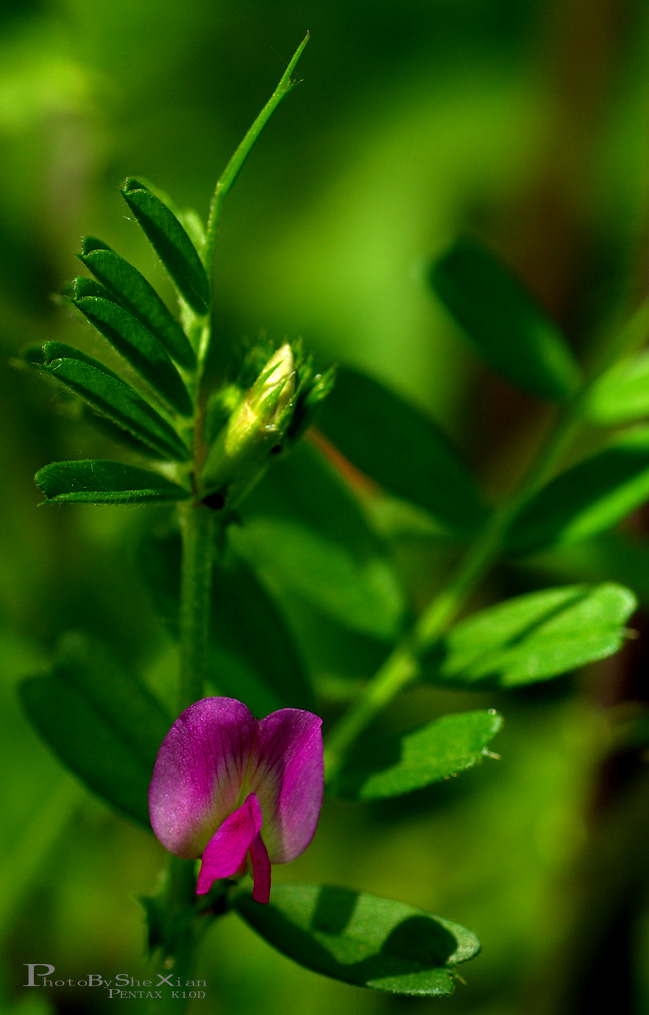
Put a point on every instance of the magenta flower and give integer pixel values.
(237, 791)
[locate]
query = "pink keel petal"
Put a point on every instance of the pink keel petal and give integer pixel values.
(260, 870)
(225, 853)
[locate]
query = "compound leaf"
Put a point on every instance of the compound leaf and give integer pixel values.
(171, 243)
(132, 341)
(139, 297)
(113, 397)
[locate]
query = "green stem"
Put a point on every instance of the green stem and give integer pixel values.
(197, 525)
(488, 545)
(237, 161)
(182, 934)
(402, 665)
(198, 528)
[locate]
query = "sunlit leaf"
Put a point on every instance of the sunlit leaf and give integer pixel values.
(511, 331)
(362, 939)
(110, 395)
(139, 297)
(133, 341)
(588, 498)
(306, 535)
(622, 394)
(358, 592)
(101, 721)
(399, 764)
(401, 448)
(105, 482)
(533, 637)
(171, 243)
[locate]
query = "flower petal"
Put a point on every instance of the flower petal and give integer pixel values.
(260, 868)
(226, 852)
(286, 774)
(199, 773)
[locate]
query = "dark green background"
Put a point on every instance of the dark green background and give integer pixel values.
(522, 120)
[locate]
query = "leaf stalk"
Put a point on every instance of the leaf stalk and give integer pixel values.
(236, 163)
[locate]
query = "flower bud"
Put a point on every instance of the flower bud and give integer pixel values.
(238, 456)
(274, 388)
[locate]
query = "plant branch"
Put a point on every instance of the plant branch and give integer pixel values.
(181, 934)
(197, 524)
(198, 528)
(402, 665)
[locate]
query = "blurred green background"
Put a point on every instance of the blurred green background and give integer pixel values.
(522, 120)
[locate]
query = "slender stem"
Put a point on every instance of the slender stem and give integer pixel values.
(488, 545)
(198, 532)
(402, 665)
(396, 672)
(197, 525)
(182, 933)
(237, 161)
(198, 528)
